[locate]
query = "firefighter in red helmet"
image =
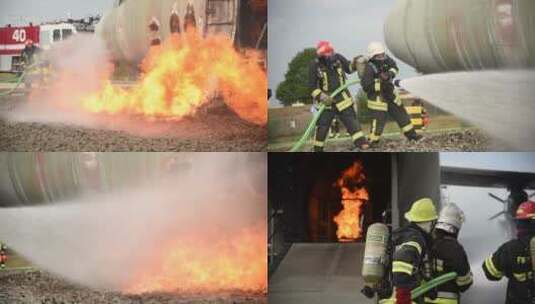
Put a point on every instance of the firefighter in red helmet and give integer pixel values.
(515, 259)
(326, 74)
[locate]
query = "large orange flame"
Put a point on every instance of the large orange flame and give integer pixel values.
(186, 72)
(354, 196)
(208, 265)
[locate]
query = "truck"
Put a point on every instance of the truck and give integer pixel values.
(14, 38)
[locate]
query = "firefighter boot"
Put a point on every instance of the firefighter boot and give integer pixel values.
(361, 144)
(413, 136)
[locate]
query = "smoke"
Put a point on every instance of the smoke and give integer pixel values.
(480, 238)
(499, 102)
(113, 241)
(78, 66)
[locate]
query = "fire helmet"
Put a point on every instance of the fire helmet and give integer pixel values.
(375, 48)
(324, 48)
(451, 218)
(422, 210)
(526, 211)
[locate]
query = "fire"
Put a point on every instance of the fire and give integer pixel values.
(184, 73)
(354, 196)
(197, 264)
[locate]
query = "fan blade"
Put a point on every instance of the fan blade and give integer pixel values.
(496, 215)
(497, 198)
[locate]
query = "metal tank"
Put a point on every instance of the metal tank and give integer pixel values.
(31, 178)
(125, 28)
(437, 36)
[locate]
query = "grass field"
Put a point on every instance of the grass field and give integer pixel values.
(8, 77)
(15, 261)
(438, 124)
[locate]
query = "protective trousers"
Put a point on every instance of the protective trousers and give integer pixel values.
(397, 112)
(347, 116)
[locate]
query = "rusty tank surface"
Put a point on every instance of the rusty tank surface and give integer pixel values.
(127, 33)
(440, 36)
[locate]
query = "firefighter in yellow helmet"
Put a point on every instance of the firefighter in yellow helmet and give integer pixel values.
(411, 245)
(377, 82)
(448, 255)
(515, 259)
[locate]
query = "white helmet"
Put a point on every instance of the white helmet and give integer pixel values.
(375, 48)
(450, 219)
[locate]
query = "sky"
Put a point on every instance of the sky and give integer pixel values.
(479, 235)
(510, 161)
(348, 24)
(37, 11)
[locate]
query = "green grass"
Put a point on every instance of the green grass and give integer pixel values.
(438, 124)
(8, 77)
(15, 261)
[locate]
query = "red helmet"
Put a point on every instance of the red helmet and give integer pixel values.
(324, 48)
(29, 42)
(526, 211)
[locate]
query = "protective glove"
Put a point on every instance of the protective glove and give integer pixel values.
(403, 296)
(385, 76)
(325, 99)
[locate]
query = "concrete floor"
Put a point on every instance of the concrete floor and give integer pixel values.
(319, 273)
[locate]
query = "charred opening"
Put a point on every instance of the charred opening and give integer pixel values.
(174, 23)
(252, 29)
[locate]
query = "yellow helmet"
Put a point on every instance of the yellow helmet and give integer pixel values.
(422, 210)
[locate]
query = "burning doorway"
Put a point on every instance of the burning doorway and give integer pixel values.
(328, 197)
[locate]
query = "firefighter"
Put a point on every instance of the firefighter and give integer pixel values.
(334, 131)
(30, 58)
(514, 259)
(29, 53)
(448, 255)
(327, 73)
(411, 245)
(377, 82)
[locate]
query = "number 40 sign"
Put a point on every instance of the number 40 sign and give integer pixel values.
(19, 35)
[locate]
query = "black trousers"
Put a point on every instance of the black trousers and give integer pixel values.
(398, 113)
(348, 117)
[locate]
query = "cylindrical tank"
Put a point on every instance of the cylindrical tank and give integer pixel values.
(373, 266)
(28, 178)
(437, 36)
(125, 29)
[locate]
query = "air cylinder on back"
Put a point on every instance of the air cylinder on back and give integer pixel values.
(373, 267)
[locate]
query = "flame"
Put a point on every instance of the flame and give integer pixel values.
(196, 264)
(354, 196)
(184, 73)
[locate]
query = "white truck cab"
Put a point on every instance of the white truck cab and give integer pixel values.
(53, 33)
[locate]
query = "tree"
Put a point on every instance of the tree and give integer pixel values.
(295, 85)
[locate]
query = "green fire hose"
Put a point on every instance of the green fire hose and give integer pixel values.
(297, 146)
(422, 289)
(20, 79)
(17, 84)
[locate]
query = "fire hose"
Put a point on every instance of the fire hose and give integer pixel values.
(297, 146)
(20, 79)
(422, 289)
(17, 84)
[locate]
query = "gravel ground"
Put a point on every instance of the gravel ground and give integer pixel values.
(35, 287)
(467, 140)
(215, 130)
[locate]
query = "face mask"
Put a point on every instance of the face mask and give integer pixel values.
(426, 226)
(380, 57)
